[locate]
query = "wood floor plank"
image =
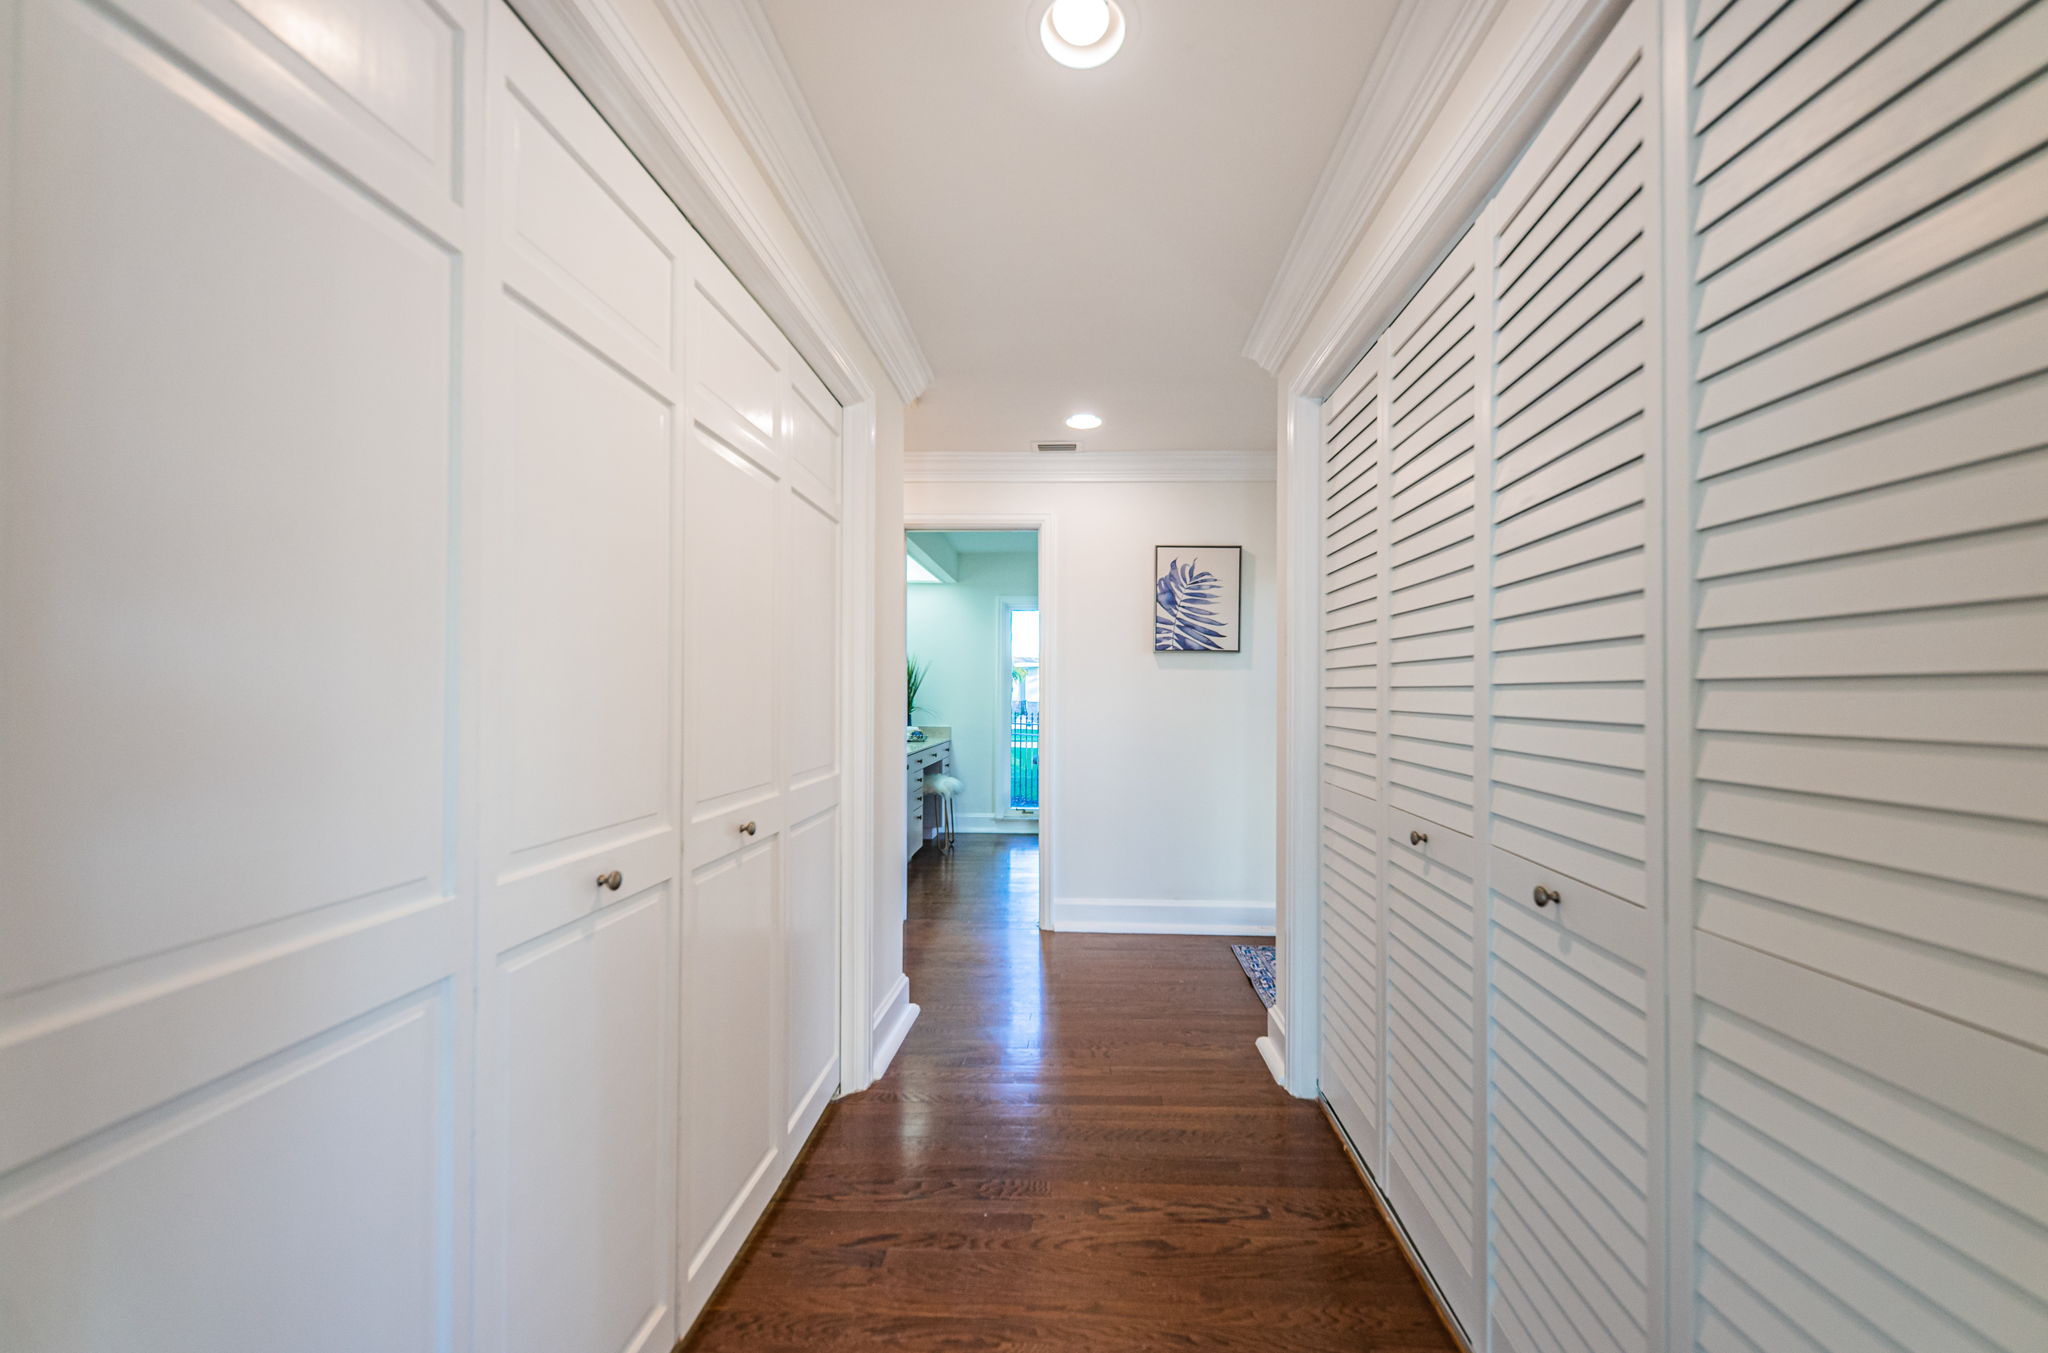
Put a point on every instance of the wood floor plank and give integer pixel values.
(1077, 1149)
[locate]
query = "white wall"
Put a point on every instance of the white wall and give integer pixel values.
(956, 628)
(1157, 768)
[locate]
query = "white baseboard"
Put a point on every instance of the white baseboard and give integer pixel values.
(1274, 1063)
(1144, 916)
(993, 824)
(893, 1019)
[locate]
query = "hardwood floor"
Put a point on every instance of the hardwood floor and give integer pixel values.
(1077, 1148)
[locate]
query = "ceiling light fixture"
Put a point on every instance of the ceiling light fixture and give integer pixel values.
(1084, 421)
(1082, 33)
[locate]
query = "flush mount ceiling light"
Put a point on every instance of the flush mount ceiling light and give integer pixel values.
(1084, 421)
(1082, 33)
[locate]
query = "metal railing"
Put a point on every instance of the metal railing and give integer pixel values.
(1024, 758)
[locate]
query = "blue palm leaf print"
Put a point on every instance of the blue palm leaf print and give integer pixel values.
(1186, 618)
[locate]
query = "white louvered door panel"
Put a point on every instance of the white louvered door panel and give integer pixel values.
(1431, 926)
(1353, 680)
(1573, 383)
(1432, 1056)
(1432, 454)
(1568, 1169)
(1571, 376)
(1871, 638)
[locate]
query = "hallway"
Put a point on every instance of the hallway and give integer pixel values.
(1077, 1148)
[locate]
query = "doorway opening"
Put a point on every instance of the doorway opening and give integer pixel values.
(975, 641)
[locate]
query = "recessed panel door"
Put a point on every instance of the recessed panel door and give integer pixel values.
(734, 1066)
(580, 910)
(234, 934)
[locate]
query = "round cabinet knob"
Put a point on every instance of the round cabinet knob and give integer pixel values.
(746, 828)
(612, 880)
(1417, 838)
(1546, 897)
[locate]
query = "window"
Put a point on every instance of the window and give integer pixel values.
(1023, 685)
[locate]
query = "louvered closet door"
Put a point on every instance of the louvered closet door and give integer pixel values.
(1428, 855)
(1871, 637)
(1353, 599)
(1571, 544)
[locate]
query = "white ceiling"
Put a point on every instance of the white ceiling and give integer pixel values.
(1093, 240)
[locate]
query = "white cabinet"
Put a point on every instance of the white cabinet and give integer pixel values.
(923, 813)
(1682, 737)
(421, 561)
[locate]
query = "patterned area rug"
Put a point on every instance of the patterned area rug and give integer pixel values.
(1257, 962)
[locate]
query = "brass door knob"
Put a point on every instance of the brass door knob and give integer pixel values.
(1547, 896)
(612, 880)
(1417, 838)
(747, 828)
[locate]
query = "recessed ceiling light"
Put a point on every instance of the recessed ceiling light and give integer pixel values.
(1082, 33)
(1084, 421)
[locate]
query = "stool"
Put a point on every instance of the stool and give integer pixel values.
(944, 788)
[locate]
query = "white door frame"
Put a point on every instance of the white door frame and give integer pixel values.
(1048, 678)
(602, 58)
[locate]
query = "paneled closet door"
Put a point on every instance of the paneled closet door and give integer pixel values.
(760, 774)
(576, 1219)
(1870, 638)
(809, 692)
(1429, 862)
(236, 931)
(1572, 542)
(1353, 698)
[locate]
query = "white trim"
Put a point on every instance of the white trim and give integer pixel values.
(891, 1026)
(1673, 1254)
(1150, 916)
(589, 40)
(1300, 683)
(1275, 1063)
(1427, 48)
(734, 44)
(859, 595)
(996, 824)
(1534, 75)
(1046, 525)
(1022, 467)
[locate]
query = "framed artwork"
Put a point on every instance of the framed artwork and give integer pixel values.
(1197, 595)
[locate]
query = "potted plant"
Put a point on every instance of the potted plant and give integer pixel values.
(914, 674)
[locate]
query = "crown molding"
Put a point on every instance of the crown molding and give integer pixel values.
(1427, 48)
(1530, 83)
(734, 45)
(589, 40)
(1087, 467)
